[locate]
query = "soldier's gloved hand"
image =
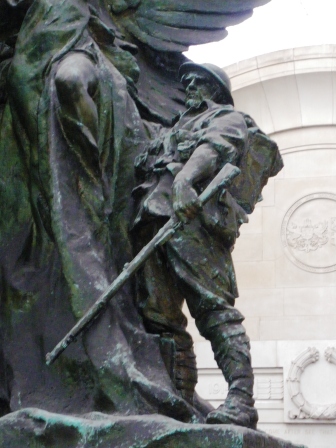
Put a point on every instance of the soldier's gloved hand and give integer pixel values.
(186, 204)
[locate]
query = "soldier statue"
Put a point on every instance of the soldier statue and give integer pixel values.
(196, 263)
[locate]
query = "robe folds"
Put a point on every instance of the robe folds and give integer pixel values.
(64, 223)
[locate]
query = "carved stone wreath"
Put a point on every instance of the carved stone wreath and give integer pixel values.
(307, 409)
(308, 233)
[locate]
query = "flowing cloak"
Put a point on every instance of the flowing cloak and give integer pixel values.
(63, 235)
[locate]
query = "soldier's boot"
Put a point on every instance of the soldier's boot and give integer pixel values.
(186, 374)
(232, 353)
(180, 360)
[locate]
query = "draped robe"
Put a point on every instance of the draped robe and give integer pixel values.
(64, 235)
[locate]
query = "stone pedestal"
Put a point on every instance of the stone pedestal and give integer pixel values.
(40, 429)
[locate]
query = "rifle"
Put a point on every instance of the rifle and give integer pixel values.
(222, 180)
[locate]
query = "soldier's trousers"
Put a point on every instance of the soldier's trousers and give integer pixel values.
(196, 267)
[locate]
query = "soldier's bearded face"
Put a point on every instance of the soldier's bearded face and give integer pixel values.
(199, 87)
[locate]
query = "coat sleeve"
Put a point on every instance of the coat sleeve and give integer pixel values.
(227, 135)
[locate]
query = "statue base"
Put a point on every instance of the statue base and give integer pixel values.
(37, 428)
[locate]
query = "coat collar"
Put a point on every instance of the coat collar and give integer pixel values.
(205, 105)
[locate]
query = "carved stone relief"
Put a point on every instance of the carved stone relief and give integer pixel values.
(268, 385)
(333, 231)
(308, 233)
(309, 236)
(307, 410)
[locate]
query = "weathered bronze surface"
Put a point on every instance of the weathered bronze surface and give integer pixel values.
(195, 264)
(37, 428)
(88, 90)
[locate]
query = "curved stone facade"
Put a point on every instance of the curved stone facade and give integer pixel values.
(285, 258)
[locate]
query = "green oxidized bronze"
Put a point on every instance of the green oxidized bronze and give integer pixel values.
(92, 165)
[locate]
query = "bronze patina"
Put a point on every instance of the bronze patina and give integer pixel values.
(92, 165)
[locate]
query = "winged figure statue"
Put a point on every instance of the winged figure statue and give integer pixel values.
(83, 83)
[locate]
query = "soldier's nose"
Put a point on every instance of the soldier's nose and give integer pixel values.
(191, 85)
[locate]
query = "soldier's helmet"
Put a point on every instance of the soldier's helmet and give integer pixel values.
(219, 76)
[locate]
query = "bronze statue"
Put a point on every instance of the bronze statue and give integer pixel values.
(88, 87)
(196, 264)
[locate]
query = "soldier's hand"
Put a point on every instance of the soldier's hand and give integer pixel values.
(185, 200)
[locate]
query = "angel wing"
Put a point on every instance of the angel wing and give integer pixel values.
(173, 25)
(165, 29)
